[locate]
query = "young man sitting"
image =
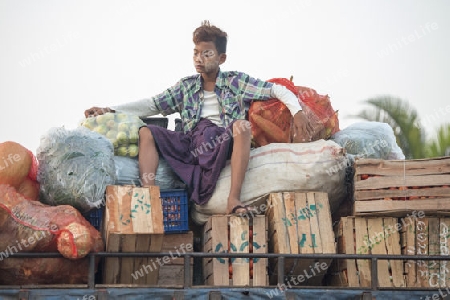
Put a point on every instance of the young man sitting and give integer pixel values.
(212, 105)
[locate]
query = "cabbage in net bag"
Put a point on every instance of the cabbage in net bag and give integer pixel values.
(75, 166)
(121, 129)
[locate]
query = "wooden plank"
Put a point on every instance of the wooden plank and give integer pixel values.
(348, 227)
(239, 243)
(156, 210)
(433, 249)
(174, 241)
(410, 249)
(444, 244)
(439, 192)
(377, 242)
(303, 224)
(363, 264)
(426, 166)
(281, 222)
(291, 214)
(326, 228)
(422, 249)
(316, 240)
(156, 242)
(112, 264)
(142, 244)
(260, 246)
(393, 248)
(383, 207)
(127, 244)
(389, 181)
(219, 237)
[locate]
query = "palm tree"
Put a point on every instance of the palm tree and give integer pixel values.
(403, 119)
(440, 146)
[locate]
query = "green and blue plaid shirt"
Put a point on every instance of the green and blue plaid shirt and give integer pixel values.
(235, 92)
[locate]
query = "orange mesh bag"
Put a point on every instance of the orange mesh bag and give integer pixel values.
(271, 120)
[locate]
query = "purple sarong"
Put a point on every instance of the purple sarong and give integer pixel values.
(197, 157)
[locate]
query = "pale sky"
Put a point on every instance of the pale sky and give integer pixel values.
(58, 58)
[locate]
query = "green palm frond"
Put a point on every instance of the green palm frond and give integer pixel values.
(440, 146)
(403, 119)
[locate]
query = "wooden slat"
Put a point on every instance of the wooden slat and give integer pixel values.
(156, 242)
(142, 244)
(363, 195)
(395, 167)
(348, 227)
(363, 264)
(392, 181)
(422, 249)
(174, 241)
(112, 264)
(377, 242)
(219, 237)
(260, 246)
(156, 210)
(303, 224)
(291, 214)
(239, 243)
(127, 244)
(384, 207)
(393, 248)
(326, 228)
(433, 249)
(316, 240)
(444, 250)
(410, 249)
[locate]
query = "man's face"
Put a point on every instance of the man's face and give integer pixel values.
(206, 58)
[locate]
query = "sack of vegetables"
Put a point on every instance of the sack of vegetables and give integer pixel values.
(121, 129)
(75, 166)
(271, 120)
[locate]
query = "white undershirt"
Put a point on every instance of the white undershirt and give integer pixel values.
(210, 108)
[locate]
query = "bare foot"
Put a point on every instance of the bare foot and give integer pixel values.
(236, 207)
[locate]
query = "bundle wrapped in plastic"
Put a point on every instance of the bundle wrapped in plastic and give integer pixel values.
(127, 173)
(121, 129)
(271, 120)
(75, 166)
(30, 226)
(369, 140)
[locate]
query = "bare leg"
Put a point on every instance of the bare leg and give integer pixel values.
(148, 157)
(239, 162)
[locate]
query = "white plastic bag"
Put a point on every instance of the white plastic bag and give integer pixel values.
(316, 166)
(369, 140)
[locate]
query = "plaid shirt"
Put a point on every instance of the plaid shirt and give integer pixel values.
(235, 92)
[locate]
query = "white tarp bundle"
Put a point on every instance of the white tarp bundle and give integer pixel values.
(316, 166)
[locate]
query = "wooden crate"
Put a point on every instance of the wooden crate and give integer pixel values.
(396, 187)
(133, 222)
(234, 234)
(131, 209)
(120, 270)
(427, 236)
(300, 223)
(367, 235)
(172, 273)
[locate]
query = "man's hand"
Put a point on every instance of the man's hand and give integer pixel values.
(95, 111)
(302, 129)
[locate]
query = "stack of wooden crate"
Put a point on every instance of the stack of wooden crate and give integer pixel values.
(300, 223)
(133, 222)
(399, 208)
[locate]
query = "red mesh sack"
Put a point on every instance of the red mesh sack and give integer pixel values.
(51, 228)
(318, 109)
(32, 174)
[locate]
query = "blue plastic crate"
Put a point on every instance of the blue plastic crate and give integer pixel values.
(95, 217)
(175, 210)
